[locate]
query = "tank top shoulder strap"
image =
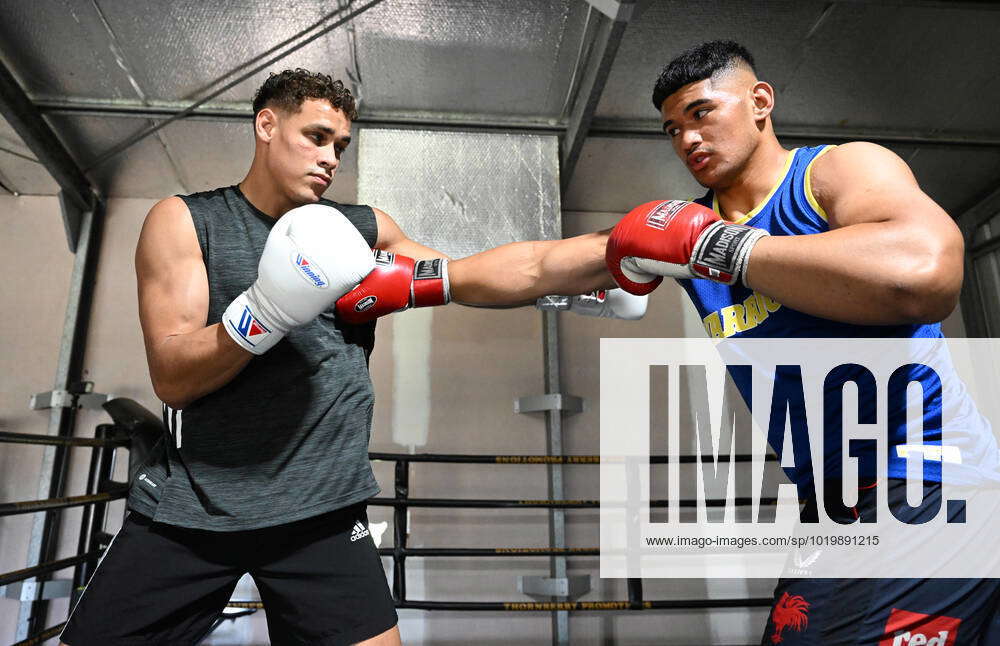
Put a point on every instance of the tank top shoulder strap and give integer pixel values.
(804, 214)
(205, 208)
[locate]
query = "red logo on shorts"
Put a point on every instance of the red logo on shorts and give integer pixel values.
(906, 628)
(790, 612)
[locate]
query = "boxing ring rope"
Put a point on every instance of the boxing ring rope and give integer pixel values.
(41, 637)
(132, 434)
(470, 503)
(49, 504)
(135, 423)
(47, 568)
(399, 552)
(53, 440)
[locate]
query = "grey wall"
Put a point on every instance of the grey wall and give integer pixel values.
(36, 265)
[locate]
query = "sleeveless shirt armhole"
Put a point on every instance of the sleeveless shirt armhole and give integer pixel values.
(813, 202)
(199, 225)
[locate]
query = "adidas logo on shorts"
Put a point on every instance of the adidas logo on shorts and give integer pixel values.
(360, 531)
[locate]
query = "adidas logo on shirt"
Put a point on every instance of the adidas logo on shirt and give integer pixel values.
(360, 531)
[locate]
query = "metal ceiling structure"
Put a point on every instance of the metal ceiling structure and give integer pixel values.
(916, 76)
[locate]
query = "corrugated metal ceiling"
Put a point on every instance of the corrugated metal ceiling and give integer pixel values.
(924, 68)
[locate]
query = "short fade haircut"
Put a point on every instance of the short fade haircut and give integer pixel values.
(699, 63)
(288, 89)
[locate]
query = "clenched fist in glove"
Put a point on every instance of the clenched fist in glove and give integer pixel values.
(313, 256)
(680, 240)
(397, 283)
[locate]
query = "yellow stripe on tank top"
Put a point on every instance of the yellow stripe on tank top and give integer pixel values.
(808, 185)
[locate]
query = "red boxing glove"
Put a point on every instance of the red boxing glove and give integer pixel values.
(396, 283)
(680, 240)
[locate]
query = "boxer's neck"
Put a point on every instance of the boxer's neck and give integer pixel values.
(261, 189)
(755, 182)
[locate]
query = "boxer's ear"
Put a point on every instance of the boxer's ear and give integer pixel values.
(762, 95)
(264, 124)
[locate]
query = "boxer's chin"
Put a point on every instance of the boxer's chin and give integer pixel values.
(310, 194)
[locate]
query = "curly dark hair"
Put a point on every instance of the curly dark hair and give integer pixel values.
(697, 64)
(288, 89)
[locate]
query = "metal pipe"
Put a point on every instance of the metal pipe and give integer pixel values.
(554, 445)
(604, 127)
(652, 129)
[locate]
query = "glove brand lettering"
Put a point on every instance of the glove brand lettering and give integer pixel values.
(664, 213)
(313, 275)
(366, 303)
(428, 269)
(720, 251)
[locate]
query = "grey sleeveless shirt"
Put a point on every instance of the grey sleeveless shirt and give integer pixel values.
(287, 438)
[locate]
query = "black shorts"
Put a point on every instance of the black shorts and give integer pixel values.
(883, 612)
(320, 579)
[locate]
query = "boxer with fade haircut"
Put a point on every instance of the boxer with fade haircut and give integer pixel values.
(815, 242)
(697, 64)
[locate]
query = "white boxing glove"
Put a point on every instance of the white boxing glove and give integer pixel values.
(312, 257)
(610, 304)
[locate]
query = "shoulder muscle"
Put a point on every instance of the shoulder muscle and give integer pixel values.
(852, 180)
(170, 272)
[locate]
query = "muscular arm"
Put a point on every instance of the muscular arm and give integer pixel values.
(186, 359)
(892, 255)
(516, 273)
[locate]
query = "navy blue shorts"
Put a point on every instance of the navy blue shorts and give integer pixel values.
(884, 612)
(320, 579)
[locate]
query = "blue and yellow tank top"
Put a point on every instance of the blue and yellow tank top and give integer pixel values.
(739, 312)
(736, 311)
